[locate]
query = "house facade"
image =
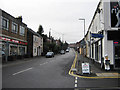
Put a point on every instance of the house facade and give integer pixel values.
(13, 36)
(103, 37)
(35, 43)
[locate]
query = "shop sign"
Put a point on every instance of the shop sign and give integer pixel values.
(85, 68)
(12, 40)
(116, 42)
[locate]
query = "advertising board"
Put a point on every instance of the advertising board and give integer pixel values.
(85, 68)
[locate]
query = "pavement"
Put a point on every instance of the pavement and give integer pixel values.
(95, 71)
(18, 61)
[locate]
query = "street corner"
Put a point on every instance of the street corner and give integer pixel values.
(85, 75)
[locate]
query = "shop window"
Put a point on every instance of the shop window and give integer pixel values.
(21, 50)
(22, 31)
(14, 27)
(96, 51)
(13, 50)
(92, 51)
(5, 23)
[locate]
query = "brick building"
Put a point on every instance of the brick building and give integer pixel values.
(13, 35)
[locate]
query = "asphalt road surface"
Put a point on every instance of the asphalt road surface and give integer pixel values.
(50, 73)
(40, 73)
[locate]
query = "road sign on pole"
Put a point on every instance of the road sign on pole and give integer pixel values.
(95, 35)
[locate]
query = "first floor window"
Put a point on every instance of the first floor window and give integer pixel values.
(14, 27)
(22, 30)
(5, 23)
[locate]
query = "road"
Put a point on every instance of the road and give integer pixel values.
(40, 73)
(50, 73)
(95, 84)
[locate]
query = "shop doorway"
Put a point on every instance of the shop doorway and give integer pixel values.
(117, 55)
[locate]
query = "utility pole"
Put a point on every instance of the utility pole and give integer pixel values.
(62, 37)
(84, 32)
(50, 33)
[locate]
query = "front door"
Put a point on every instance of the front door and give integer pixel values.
(117, 55)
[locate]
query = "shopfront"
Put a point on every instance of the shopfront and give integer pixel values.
(117, 54)
(115, 36)
(13, 47)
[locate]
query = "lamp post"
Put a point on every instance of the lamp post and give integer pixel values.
(78, 61)
(84, 33)
(84, 25)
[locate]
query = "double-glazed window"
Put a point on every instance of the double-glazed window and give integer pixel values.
(5, 23)
(14, 27)
(22, 31)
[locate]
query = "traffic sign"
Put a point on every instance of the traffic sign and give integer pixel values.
(95, 35)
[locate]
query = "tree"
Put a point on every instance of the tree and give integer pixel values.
(40, 30)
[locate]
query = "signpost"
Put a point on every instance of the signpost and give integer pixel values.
(94, 35)
(85, 68)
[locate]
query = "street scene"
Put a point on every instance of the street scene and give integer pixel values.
(60, 45)
(52, 73)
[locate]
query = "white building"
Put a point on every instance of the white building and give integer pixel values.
(103, 37)
(37, 45)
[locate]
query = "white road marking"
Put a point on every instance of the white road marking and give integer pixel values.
(75, 85)
(76, 78)
(41, 64)
(47, 62)
(22, 71)
(76, 81)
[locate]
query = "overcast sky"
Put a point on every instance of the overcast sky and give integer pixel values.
(59, 15)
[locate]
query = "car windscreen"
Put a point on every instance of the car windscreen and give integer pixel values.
(49, 53)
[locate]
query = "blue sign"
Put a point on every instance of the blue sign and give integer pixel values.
(96, 35)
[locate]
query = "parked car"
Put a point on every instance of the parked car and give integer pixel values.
(62, 52)
(67, 50)
(49, 54)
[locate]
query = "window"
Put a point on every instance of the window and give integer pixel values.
(5, 23)
(13, 50)
(21, 50)
(22, 31)
(14, 27)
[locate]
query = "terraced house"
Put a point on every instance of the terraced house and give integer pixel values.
(13, 36)
(103, 37)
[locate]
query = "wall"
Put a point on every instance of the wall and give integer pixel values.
(0, 57)
(36, 45)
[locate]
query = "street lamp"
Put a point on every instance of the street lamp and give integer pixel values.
(84, 24)
(84, 33)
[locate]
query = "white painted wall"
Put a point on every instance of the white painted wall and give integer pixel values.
(36, 44)
(106, 10)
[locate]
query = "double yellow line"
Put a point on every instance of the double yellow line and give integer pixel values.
(97, 77)
(73, 65)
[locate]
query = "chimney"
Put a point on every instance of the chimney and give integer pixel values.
(19, 18)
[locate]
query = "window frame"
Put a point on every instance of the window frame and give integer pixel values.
(5, 27)
(16, 28)
(22, 29)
